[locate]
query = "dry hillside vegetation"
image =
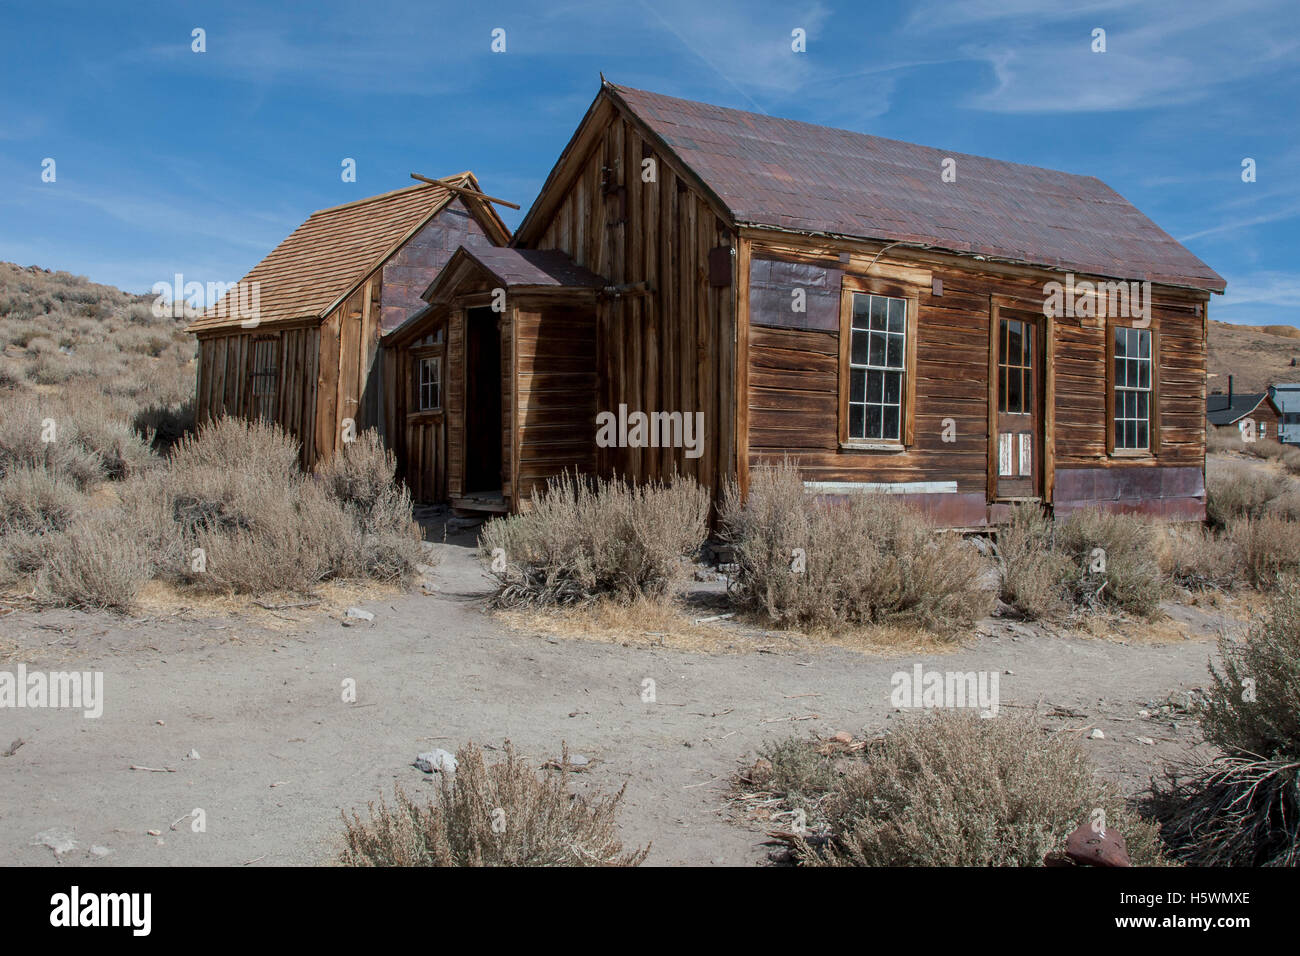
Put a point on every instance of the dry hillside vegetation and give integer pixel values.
(1255, 356)
(104, 486)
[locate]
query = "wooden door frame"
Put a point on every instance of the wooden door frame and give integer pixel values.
(1047, 393)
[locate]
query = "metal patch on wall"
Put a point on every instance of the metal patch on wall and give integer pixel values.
(794, 295)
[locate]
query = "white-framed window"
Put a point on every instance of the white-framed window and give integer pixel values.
(429, 383)
(877, 365)
(265, 377)
(1132, 389)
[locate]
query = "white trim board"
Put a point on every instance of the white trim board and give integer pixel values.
(883, 487)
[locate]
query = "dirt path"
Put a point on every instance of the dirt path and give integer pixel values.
(280, 752)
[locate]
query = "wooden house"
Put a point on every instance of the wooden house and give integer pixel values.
(297, 341)
(1227, 413)
(963, 332)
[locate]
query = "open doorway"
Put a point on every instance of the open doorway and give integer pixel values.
(482, 404)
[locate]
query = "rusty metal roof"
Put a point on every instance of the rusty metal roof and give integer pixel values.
(797, 176)
(533, 267)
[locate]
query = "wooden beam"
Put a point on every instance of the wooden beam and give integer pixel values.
(465, 191)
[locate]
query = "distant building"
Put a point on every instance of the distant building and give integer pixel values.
(1228, 412)
(1286, 398)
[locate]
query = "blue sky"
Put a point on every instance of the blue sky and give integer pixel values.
(173, 161)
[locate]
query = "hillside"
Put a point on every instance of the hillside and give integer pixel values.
(80, 344)
(1255, 356)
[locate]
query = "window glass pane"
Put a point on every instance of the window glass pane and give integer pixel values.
(861, 303)
(879, 311)
(897, 313)
(1028, 336)
(1144, 374)
(1027, 399)
(859, 356)
(873, 421)
(890, 427)
(894, 352)
(1142, 405)
(857, 385)
(1119, 372)
(877, 348)
(856, 418)
(1013, 390)
(1130, 434)
(1002, 389)
(875, 386)
(1014, 347)
(1119, 344)
(1141, 435)
(1143, 344)
(893, 386)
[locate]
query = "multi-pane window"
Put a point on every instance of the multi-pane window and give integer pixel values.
(1132, 389)
(876, 364)
(265, 375)
(429, 379)
(1016, 367)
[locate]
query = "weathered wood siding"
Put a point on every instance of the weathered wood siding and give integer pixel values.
(555, 390)
(224, 380)
(791, 380)
(348, 384)
(673, 349)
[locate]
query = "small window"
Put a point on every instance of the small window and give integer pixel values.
(877, 362)
(266, 373)
(429, 387)
(1016, 368)
(1132, 389)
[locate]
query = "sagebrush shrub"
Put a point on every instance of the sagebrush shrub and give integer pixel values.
(502, 814)
(1265, 548)
(587, 538)
(1033, 573)
(92, 565)
(1113, 561)
(34, 500)
(1234, 490)
(812, 562)
(1196, 558)
(955, 789)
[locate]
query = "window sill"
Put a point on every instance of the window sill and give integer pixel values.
(1131, 453)
(428, 415)
(873, 446)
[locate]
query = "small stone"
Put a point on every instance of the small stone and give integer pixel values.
(1144, 713)
(1010, 673)
(192, 755)
(100, 851)
(154, 833)
(58, 840)
(359, 614)
(435, 761)
(423, 570)
(578, 760)
(1097, 734)
(1146, 740)
(843, 737)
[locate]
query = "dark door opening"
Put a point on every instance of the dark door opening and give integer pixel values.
(482, 402)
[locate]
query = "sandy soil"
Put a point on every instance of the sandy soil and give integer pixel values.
(259, 697)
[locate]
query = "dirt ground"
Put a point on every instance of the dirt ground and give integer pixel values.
(259, 697)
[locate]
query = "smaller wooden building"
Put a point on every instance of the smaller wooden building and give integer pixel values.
(297, 341)
(1227, 413)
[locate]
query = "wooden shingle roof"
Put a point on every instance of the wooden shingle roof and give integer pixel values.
(783, 174)
(329, 255)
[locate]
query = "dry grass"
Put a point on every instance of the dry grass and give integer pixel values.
(948, 789)
(503, 814)
(1032, 572)
(807, 562)
(587, 539)
(1243, 809)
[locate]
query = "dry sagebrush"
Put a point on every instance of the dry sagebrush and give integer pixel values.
(586, 539)
(1243, 809)
(503, 814)
(954, 789)
(866, 559)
